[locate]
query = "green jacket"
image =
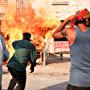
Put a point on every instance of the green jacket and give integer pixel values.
(25, 52)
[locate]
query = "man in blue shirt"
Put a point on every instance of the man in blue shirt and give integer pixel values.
(79, 41)
(25, 52)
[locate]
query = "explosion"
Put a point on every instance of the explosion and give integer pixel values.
(19, 21)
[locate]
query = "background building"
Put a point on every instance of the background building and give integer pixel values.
(59, 8)
(3, 10)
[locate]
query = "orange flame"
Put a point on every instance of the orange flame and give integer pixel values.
(17, 22)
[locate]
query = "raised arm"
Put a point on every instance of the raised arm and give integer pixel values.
(60, 32)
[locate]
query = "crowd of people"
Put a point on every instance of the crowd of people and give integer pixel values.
(78, 36)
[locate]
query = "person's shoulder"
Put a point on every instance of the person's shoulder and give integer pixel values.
(17, 41)
(70, 32)
(31, 43)
(70, 29)
(28, 42)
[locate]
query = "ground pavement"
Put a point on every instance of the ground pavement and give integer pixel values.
(53, 76)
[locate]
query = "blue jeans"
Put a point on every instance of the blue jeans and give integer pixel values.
(17, 77)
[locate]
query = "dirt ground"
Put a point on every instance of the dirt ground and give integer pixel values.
(53, 76)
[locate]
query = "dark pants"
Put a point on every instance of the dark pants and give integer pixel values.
(17, 77)
(71, 87)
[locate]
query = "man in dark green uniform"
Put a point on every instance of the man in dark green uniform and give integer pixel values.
(25, 52)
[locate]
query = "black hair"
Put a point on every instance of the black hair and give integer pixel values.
(80, 21)
(26, 36)
(88, 22)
